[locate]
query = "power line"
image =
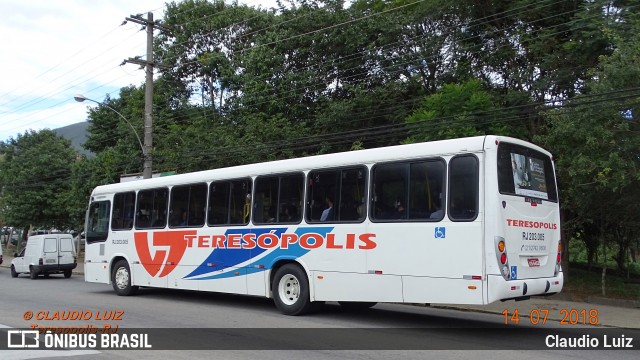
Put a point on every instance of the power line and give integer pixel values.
(322, 29)
(288, 97)
(309, 142)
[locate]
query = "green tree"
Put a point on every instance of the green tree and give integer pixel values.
(596, 139)
(86, 174)
(206, 47)
(108, 131)
(34, 175)
(457, 110)
(533, 51)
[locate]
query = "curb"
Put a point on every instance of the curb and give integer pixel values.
(634, 304)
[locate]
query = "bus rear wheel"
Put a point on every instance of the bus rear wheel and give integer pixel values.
(121, 279)
(291, 290)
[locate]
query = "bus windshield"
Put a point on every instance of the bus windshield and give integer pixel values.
(525, 172)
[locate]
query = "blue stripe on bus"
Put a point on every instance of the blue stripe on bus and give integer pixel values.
(293, 252)
(225, 258)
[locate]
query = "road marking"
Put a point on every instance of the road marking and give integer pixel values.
(39, 354)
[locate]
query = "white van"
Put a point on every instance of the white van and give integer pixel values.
(46, 254)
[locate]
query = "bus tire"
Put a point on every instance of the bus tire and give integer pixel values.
(121, 279)
(67, 274)
(291, 290)
(356, 305)
(14, 274)
(33, 274)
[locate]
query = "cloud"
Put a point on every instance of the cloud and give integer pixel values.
(53, 50)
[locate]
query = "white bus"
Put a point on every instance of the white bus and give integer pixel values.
(464, 221)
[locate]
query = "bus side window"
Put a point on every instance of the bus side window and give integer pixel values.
(426, 189)
(408, 191)
(390, 191)
(338, 194)
(463, 188)
(239, 200)
(152, 208)
(123, 208)
(321, 194)
(277, 198)
(290, 198)
(229, 202)
(187, 205)
(265, 200)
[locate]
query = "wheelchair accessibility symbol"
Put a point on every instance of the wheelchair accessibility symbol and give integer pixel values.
(440, 233)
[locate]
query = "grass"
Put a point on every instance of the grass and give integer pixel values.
(582, 283)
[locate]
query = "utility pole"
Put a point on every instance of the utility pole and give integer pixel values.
(149, 64)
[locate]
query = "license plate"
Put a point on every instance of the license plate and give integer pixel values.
(534, 262)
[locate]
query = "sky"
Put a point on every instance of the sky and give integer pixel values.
(55, 49)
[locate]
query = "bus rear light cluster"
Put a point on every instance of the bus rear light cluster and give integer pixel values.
(501, 254)
(558, 259)
(40, 262)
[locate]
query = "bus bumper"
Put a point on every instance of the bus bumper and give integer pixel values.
(501, 289)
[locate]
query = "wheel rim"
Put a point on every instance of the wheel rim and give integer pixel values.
(122, 278)
(289, 289)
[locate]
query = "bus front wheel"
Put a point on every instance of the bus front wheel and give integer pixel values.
(291, 290)
(121, 279)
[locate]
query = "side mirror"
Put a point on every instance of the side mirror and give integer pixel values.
(15, 254)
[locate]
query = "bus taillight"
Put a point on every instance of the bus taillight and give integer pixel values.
(558, 258)
(501, 254)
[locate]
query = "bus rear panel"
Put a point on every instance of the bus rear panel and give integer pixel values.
(525, 232)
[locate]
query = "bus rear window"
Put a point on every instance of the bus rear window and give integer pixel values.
(525, 172)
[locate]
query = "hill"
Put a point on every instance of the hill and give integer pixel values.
(77, 134)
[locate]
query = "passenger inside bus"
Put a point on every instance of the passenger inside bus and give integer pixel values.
(400, 211)
(327, 214)
(289, 213)
(183, 218)
(142, 219)
(438, 213)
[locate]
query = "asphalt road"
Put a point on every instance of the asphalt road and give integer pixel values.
(250, 328)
